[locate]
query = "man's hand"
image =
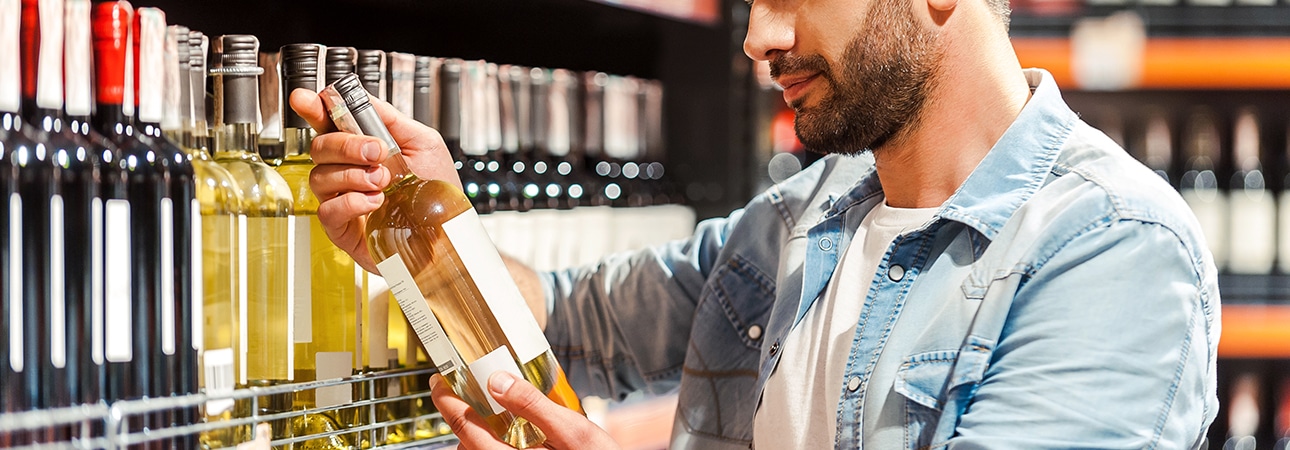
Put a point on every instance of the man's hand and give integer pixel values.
(564, 428)
(349, 178)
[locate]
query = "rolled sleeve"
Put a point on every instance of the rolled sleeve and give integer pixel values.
(623, 324)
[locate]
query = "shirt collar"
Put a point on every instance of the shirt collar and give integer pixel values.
(1014, 169)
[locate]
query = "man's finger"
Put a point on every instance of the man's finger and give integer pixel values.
(310, 107)
(334, 179)
(564, 427)
(468, 425)
(347, 148)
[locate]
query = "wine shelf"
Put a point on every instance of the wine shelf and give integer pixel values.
(115, 419)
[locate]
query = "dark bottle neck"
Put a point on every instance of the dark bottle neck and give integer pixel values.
(111, 120)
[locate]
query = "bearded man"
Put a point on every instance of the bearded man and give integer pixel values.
(997, 274)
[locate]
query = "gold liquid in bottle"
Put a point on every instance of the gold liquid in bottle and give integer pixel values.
(432, 249)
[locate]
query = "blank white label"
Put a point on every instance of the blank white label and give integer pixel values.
(219, 379)
(199, 294)
(332, 365)
(418, 312)
(494, 282)
(241, 298)
(378, 321)
(96, 306)
(167, 276)
(497, 360)
(117, 315)
(360, 298)
(15, 282)
(57, 298)
(1254, 216)
(300, 246)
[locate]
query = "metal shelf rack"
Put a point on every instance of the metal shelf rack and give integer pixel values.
(113, 421)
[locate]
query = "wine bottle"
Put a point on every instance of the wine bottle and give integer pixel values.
(41, 183)
(131, 368)
(177, 364)
(1253, 208)
(597, 216)
(109, 185)
(1199, 184)
(265, 305)
(215, 208)
(450, 117)
(271, 95)
(17, 142)
(326, 328)
(429, 226)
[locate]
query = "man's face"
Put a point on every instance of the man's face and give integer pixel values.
(854, 83)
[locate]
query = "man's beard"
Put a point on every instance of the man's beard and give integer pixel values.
(881, 86)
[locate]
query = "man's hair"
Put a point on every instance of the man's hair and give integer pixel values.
(1000, 8)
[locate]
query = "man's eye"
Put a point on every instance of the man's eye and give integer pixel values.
(749, 2)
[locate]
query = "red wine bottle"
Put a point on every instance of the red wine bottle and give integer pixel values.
(175, 363)
(15, 393)
(41, 207)
(110, 185)
(131, 329)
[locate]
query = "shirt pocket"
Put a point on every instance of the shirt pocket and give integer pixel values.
(718, 386)
(937, 387)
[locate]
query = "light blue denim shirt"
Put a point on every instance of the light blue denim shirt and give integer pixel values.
(1063, 297)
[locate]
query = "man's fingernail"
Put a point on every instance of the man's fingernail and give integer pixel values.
(375, 199)
(375, 175)
(372, 151)
(501, 382)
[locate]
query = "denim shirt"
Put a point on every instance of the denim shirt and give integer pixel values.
(1062, 297)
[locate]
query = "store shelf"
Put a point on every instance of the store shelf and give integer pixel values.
(1181, 20)
(114, 421)
(1255, 331)
(1232, 63)
(699, 11)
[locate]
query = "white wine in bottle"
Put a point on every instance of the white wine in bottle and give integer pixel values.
(431, 250)
(265, 307)
(326, 334)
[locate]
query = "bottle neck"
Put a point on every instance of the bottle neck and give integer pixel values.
(296, 143)
(237, 137)
(400, 174)
(111, 120)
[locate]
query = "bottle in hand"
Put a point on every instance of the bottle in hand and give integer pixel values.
(431, 249)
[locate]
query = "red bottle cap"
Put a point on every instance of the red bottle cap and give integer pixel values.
(112, 23)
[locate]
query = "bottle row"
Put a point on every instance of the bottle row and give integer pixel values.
(1255, 395)
(150, 250)
(1246, 222)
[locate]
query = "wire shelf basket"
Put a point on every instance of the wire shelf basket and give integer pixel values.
(395, 420)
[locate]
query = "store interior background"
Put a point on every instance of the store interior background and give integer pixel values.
(1194, 66)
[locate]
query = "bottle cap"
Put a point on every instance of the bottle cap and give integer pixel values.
(112, 65)
(300, 70)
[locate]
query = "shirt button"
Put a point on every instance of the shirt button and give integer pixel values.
(826, 244)
(774, 348)
(853, 384)
(896, 273)
(754, 332)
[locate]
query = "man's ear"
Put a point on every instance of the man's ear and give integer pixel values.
(941, 9)
(942, 5)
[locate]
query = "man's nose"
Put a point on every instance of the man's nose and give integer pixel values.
(770, 30)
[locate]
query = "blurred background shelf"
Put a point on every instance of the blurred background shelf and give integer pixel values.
(1224, 63)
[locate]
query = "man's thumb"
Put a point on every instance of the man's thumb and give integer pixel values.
(522, 399)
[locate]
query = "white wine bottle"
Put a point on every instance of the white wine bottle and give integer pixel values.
(265, 307)
(431, 249)
(326, 334)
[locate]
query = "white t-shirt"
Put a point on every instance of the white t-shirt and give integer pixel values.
(799, 406)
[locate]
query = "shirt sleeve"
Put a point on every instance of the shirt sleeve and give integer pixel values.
(1110, 344)
(623, 324)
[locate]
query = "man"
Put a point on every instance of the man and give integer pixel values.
(1001, 276)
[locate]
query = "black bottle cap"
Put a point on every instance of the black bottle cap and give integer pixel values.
(450, 99)
(239, 70)
(422, 98)
(371, 70)
(299, 71)
(351, 89)
(340, 61)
